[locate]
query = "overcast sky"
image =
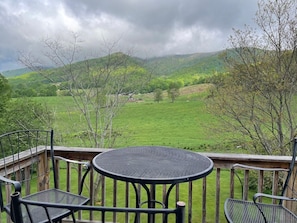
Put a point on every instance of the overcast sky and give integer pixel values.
(149, 27)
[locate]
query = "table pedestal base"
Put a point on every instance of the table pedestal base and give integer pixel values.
(151, 199)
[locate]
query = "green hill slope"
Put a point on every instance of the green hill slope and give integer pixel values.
(198, 63)
(16, 72)
(181, 67)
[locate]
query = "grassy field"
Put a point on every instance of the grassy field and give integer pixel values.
(186, 123)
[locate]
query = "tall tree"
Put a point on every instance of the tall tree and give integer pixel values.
(256, 98)
(96, 86)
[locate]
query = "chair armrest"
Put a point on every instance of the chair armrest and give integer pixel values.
(16, 184)
(237, 167)
(3, 193)
(257, 195)
(241, 166)
(85, 164)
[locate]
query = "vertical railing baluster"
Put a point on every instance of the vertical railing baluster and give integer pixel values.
(232, 183)
(190, 202)
(275, 185)
(58, 173)
(92, 189)
(204, 183)
(43, 171)
(68, 171)
(246, 185)
(114, 202)
(292, 187)
(139, 188)
(260, 183)
(176, 193)
(103, 188)
(127, 189)
(27, 173)
(164, 190)
(218, 193)
(79, 176)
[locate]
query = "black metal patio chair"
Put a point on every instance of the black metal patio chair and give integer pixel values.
(283, 207)
(25, 168)
(18, 202)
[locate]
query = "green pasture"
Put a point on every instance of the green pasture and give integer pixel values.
(180, 124)
(186, 123)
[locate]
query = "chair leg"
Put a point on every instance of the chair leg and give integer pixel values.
(73, 217)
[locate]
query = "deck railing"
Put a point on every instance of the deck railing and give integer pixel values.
(204, 198)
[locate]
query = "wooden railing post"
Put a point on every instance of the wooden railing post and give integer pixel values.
(232, 174)
(43, 172)
(218, 193)
(292, 184)
(92, 197)
(204, 198)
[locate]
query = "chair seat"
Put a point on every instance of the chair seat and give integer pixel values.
(53, 196)
(247, 212)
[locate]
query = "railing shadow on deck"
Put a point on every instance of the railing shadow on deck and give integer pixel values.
(204, 198)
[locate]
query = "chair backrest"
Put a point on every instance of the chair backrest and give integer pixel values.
(278, 181)
(100, 211)
(23, 158)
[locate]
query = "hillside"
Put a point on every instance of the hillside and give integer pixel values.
(166, 65)
(16, 72)
(198, 63)
(191, 69)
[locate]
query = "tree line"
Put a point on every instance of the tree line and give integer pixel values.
(21, 113)
(34, 90)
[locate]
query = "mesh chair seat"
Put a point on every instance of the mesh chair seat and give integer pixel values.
(247, 211)
(38, 213)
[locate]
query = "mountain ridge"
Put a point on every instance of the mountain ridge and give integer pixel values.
(169, 65)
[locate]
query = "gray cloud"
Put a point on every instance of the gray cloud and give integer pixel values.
(150, 27)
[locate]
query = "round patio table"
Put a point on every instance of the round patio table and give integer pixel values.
(151, 165)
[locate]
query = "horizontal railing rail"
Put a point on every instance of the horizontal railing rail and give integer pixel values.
(204, 198)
